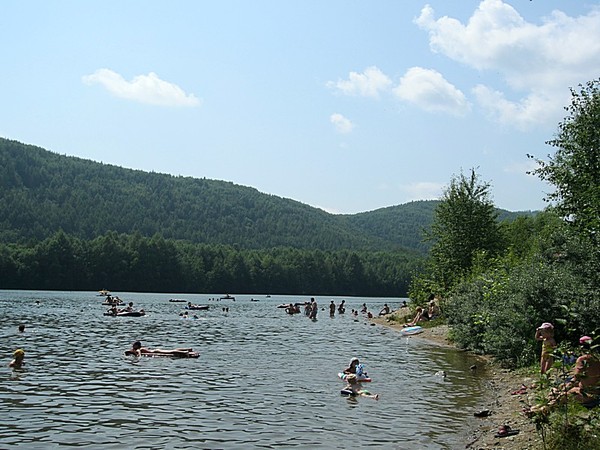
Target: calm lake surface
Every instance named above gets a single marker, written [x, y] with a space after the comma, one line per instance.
[264, 379]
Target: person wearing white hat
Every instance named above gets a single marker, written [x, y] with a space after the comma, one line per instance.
[545, 333]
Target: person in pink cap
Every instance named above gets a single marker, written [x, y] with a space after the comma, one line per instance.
[545, 333]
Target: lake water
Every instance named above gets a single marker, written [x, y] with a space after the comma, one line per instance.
[264, 379]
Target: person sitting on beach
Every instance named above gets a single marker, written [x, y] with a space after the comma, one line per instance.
[586, 375]
[433, 311]
[418, 318]
[584, 386]
[354, 388]
[137, 350]
[17, 362]
[385, 310]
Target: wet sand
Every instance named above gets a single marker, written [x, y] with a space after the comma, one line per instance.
[504, 406]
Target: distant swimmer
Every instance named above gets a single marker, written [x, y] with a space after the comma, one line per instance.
[137, 350]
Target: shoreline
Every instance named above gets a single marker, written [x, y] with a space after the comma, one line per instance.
[505, 400]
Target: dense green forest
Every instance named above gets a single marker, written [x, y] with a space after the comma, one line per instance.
[69, 223]
[136, 263]
[43, 192]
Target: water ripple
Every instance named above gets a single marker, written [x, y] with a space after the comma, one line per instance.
[264, 379]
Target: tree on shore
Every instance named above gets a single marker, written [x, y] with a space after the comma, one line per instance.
[464, 229]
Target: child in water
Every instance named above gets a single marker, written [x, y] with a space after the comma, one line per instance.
[18, 356]
[545, 333]
[354, 388]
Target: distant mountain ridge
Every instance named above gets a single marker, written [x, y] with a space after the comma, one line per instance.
[43, 192]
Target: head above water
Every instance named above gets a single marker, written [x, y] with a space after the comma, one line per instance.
[19, 353]
[137, 344]
[351, 378]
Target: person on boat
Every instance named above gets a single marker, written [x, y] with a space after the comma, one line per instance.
[128, 308]
[341, 307]
[355, 388]
[19, 356]
[332, 309]
[137, 350]
[385, 310]
[113, 310]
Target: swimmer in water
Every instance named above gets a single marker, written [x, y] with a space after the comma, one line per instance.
[137, 350]
[355, 387]
[17, 362]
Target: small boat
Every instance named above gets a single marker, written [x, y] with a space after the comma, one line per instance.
[139, 313]
[177, 300]
[228, 297]
[103, 293]
[197, 307]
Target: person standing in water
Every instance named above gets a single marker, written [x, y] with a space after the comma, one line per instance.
[332, 309]
[314, 308]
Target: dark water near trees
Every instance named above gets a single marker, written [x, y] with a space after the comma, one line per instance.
[264, 379]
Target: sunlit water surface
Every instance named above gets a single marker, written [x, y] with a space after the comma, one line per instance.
[264, 379]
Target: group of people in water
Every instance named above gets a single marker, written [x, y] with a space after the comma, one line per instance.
[311, 309]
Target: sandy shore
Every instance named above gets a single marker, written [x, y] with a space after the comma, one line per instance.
[505, 401]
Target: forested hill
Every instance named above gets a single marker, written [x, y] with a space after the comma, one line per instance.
[43, 192]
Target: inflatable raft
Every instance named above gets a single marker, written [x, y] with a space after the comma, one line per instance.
[360, 378]
[409, 331]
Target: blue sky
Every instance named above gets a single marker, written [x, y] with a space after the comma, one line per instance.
[348, 106]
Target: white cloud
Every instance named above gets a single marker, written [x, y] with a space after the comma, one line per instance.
[367, 84]
[521, 168]
[534, 108]
[538, 60]
[341, 123]
[149, 89]
[429, 90]
[423, 190]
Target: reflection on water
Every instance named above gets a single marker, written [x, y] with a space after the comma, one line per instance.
[263, 379]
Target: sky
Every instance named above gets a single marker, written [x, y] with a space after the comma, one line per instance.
[348, 106]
